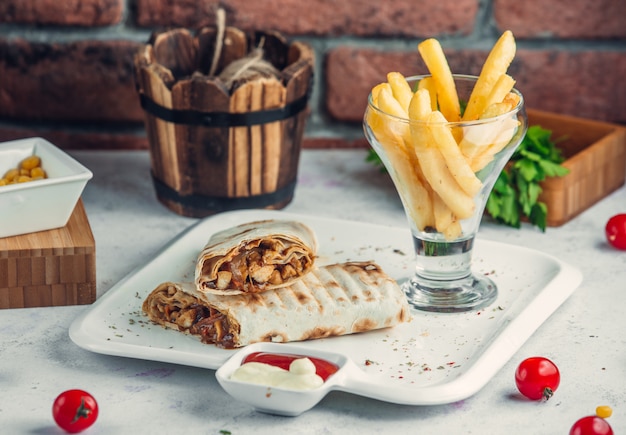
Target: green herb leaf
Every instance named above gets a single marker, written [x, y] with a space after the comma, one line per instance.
[527, 169]
[374, 158]
[539, 215]
[552, 169]
[536, 158]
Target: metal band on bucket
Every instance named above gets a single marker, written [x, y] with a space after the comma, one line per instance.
[224, 119]
[217, 204]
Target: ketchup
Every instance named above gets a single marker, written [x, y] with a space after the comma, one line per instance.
[324, 369]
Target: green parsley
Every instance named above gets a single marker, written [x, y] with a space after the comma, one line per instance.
[515, 194]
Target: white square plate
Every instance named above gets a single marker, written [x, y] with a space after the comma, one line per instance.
[436, 358]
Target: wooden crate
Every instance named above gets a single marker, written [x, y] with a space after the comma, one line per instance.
[49, 268]
[596, 157]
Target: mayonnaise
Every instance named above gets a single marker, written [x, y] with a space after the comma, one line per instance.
[300, 376]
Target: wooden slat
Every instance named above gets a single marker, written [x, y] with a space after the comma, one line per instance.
[157, 80]
[239, 142]
[202, 151]
[274, 95]
[235, 46]
[297, 77]
[176, 50]
[256, 139]
[85, 293]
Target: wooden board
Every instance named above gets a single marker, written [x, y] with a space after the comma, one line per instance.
[596, 157]
[49, 268]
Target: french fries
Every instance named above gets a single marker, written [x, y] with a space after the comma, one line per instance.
[455, 160]
[428, 83]
[434, 165]
[406, 173]
[400, 89]
[435, 60]
[497, 63]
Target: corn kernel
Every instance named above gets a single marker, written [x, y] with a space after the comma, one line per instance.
[604, 411]
[28, 169]
[11, 174]
[38, 173]
[30, 162]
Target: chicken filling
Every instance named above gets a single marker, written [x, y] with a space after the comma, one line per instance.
[257, 267]
[211, 325]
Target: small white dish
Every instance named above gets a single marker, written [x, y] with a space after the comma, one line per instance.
[42, 204]
[274, 400]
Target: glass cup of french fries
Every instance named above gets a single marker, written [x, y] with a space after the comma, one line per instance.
[444, 171]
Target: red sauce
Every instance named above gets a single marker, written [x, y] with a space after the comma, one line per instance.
[324, 369]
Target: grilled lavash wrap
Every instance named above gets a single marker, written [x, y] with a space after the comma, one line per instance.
[255, 257]
[329, 301]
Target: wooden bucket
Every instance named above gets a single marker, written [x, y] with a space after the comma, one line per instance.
[220, 144]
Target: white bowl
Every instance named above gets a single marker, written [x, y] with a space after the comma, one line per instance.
[41, 204]
[274, 400]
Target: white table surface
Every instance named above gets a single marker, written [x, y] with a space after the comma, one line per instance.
[586, 336]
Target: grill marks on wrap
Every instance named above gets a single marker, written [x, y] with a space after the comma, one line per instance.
[328, 301]
[333, 288]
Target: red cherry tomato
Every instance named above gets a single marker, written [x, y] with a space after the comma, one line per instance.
[75, 410]
[537, 378]
[616, 231]
[324, 369]
[591, 425]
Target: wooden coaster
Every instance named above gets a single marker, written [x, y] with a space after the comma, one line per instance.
[49, 268]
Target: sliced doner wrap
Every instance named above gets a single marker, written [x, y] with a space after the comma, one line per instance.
[333, 300]
[255, 257]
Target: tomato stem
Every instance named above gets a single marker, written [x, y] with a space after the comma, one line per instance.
[82, 411]
[547, 393]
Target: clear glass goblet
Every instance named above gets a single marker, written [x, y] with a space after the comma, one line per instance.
[444, 239]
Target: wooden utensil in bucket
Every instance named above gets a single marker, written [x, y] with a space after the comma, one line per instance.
[225, 115]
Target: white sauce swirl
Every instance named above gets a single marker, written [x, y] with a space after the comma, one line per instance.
[300, 376]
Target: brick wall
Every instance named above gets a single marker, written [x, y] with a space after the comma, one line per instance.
[66, 66]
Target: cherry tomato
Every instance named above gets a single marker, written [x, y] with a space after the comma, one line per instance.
[324, 369]
[537, 378]
[591, 425]
[75, 410]
[616, 231]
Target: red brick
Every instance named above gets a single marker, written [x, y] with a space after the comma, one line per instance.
[351, 73]
[581, 83]
[573, 19]
[81, 81]
[183, 13]
[62, 12]
[333, 143]
[319, 17]
[72, 140]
